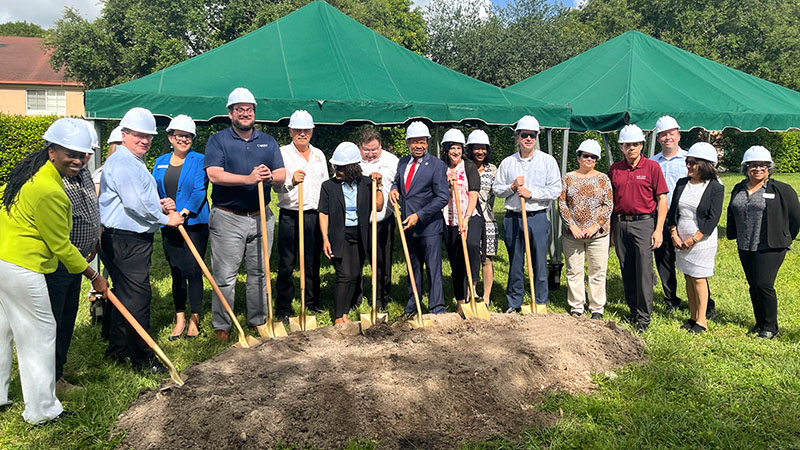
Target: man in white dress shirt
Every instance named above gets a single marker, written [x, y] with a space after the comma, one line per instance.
[305, 164]
[534, 175]
[375, 159]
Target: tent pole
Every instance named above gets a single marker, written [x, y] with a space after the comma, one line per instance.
[549, 141]
[652, 144]
[608, 150]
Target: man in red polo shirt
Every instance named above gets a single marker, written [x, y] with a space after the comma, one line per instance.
[640, 207]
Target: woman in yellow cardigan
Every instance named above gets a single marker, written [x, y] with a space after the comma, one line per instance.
[35, 223]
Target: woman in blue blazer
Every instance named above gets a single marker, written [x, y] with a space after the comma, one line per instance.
[180, 178]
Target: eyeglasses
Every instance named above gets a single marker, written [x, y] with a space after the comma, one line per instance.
[758, 165]
[691, 162]
[185, 137]
[588, 156]
[525, 135]
[140, 136]
[244, 111]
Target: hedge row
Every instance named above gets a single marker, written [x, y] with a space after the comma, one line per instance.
[22, 135]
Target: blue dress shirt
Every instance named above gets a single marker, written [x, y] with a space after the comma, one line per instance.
[673, 168]
[350, 204]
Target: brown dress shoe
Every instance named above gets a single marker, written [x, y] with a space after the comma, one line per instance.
[222, 335]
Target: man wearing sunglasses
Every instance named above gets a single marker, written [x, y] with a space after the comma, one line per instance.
[237, 159]
[534, 175]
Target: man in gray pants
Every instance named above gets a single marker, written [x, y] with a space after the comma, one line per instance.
[236, 160]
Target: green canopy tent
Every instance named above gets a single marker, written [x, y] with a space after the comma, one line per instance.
[319, 59]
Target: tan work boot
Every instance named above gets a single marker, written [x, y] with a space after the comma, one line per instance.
[64, 387]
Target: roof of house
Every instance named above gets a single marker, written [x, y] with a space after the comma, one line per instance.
[25, 61]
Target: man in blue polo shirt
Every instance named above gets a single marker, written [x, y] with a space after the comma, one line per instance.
[236, 160]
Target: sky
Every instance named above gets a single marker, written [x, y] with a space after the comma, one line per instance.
[46, 12]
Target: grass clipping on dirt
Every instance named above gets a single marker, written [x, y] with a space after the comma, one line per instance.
[455, 382]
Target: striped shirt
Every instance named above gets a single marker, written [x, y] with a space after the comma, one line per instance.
[85, 212]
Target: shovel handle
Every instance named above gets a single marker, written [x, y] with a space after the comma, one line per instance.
[145, 336]
[528, 251]
[454, 187]
[374, 242]
[265, 247]
[302, 250]
[408, 260]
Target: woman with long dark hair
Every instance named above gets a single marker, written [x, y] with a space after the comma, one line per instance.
[345, 206]
[36, 219]
[479, 152]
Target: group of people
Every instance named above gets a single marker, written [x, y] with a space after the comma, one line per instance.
[54, 222]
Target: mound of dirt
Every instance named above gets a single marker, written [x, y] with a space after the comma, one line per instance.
[455, 382]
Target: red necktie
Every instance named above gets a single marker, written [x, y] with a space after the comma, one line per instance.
[411, 173]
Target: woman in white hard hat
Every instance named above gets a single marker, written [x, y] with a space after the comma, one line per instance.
[180, 177]
[36, 219]
[764, 218]
[692, 222]
[479, 152]
[464, 174]
[585, 205]
[345, 206]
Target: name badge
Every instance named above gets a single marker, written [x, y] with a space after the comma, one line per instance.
[769, 196]
[163, 166]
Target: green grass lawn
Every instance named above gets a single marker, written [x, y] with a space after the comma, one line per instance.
[722, 389]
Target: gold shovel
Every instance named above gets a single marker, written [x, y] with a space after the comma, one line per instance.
[533, 308]
[302, 322]
[473, 309]
[244, 341]
[418, 321]
[374, 318]
[268, 329]
[173, 373]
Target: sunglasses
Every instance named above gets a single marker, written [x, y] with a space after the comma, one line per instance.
[588, 156]
[758, 165]
[691, 162]
[525, 135]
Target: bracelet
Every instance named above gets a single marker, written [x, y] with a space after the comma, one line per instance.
[94, 277]
[694, 239]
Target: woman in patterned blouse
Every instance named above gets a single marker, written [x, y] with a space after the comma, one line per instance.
[478, 152]
[585, 206]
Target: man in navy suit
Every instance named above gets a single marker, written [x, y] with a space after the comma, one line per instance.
[420, 188]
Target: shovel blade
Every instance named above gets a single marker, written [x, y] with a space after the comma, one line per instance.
[416, 323]
[541, 308]
[483, 310]
[466, 311]
[295, 324]
[176, 377]
[527, 309]
[271, 330]
[366, 321]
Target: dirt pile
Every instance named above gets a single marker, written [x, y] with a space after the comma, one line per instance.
[455, 382]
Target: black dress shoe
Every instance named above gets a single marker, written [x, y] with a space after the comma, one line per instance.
[64, 415]
[711, 309]
[513, 310]
[688, 324]
[629, 319]
[597, 316]
[764, 334]
[642, 327]
[755, 329]
[154, 368]
[697, 329]
[6, 406]
[575, 314]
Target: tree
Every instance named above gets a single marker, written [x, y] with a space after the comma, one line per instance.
[23, 29]
[133, 38]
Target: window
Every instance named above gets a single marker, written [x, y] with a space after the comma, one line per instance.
[47, 101]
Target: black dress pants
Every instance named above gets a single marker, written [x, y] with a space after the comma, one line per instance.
[288, 246]
[348, 264]
[632, 243]
[455, 254]
[385, 246]
[184, 268]
[65, 291]
[665, 264]
[761, 270]
[127, 256]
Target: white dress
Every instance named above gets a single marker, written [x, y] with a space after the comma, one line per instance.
[697, 261]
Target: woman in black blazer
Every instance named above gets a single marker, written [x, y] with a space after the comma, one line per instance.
[764, 218]
[692, 220]
[344, 218]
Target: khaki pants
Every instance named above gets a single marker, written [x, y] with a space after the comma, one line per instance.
[595, 253]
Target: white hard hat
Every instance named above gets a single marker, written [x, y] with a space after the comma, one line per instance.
[301, 120]
[590, 146]
[93, 134]
[346, 153]
[665, 123]
[630, 133]
[115, 136]
[71, 134]
[757, 153]
[139, 119]
[527, 123]
[454, 135]
[417, 129]
[478, 137]
[240, 95]
[182, 122]
[703, 150]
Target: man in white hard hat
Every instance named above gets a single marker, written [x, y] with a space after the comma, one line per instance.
[237, 159]
[534, 176]
[305, 164]
[672, 159]
[420, 188]
[375, 159]
[131, 212]
[637, 224]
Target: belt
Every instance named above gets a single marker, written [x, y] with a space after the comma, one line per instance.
[528, 213]
[293, 212]
[633, 217]
[238, 213]
[118, 232]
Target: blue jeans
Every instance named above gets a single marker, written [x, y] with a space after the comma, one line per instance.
[539, 232]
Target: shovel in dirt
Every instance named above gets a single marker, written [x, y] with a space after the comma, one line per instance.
[418, 321]
[302, 322]
[374, 318]
[473, 308]
[173, 373]
[244, 341]
[268, 329]
[533, 308]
